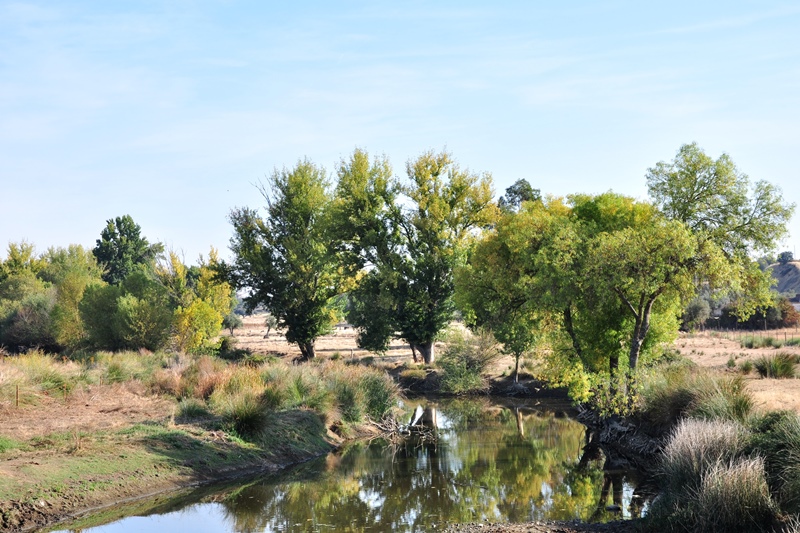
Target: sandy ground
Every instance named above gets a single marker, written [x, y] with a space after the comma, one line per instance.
[714, 350]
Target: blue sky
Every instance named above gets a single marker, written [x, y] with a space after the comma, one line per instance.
[170, 111]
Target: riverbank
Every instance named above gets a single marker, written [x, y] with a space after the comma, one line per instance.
[60, 477]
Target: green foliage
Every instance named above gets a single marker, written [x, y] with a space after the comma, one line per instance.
[776, 437]
[785, 257]
[134, 314]
[192, 408]
[520, 191]
[491, 291]
[746, 366]
[717, 201]
[121, 249]
[232, 321]
[696, 314]
[465, 361]
[413, 235]
[284, 260]
[778, 366]
[669, 393]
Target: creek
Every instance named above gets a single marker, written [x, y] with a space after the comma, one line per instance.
[492, 460]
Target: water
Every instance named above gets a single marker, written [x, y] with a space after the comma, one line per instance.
[499, 462]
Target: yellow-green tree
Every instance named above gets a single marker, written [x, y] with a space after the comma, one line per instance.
[410, 235]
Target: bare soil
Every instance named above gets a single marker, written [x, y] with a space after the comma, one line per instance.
[714, 350]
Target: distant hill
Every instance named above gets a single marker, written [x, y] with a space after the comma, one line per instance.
[788, 278]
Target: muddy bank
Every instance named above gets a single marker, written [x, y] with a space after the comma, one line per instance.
[42, 488]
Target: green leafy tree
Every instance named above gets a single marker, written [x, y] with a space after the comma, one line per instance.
[520, 191]
[121, 248]
[283, 261]
[232, 321]
[492, 291]
[136, 313]
[785, 257]
[717, 201]
[408, 237]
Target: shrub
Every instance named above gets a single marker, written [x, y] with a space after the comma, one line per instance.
[465, 360]
[694, 446]
[746, 367]
[677, 391]
[245, 412]
[380, 394]
[780, 365]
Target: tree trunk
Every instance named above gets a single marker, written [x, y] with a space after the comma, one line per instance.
[307, 349]
[516, 367]
[426, 350]
[413, 351]
[571, 331]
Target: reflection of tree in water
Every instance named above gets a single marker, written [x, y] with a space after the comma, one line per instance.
[488, 462]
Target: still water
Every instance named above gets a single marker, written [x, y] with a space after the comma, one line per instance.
[491, 461]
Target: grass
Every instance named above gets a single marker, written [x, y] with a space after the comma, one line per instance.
[760, 342]
[680, 390]
[734, 496]
[780, 365]
[746, 367]
[710, 483]
[7, 444]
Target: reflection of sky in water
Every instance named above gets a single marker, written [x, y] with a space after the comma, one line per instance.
[490, 463]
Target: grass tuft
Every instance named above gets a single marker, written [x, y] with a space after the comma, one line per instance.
[778, 366]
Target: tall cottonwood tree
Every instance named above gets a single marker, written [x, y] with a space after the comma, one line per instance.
[407, 237]
[719, 203]
[284, 260]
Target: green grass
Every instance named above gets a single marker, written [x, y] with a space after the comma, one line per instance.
[7, 444]
[780, 366]
[760, 342]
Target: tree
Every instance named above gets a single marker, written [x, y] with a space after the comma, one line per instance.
[136, 313]
[492, 292]
[121, 247]
[719, 204]
[408, 238]
[785, 257]
[283, 261]
[520, 192]
[232, 321]
[717, 201]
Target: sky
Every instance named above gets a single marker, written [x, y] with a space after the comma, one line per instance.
[173, 111]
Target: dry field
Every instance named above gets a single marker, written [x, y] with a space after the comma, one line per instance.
[707, 349]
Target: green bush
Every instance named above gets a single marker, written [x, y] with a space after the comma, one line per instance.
[465, 360]
[191, 408]
[780, 365]
[676, 391]
[746, 367]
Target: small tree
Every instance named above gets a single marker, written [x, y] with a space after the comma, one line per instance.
[785, 257]
[231, 322]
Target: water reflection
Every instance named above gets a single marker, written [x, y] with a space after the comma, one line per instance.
[489, 462]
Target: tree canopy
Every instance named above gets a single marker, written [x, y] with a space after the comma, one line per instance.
[410, 236]
[121, 248]
[284, 261]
